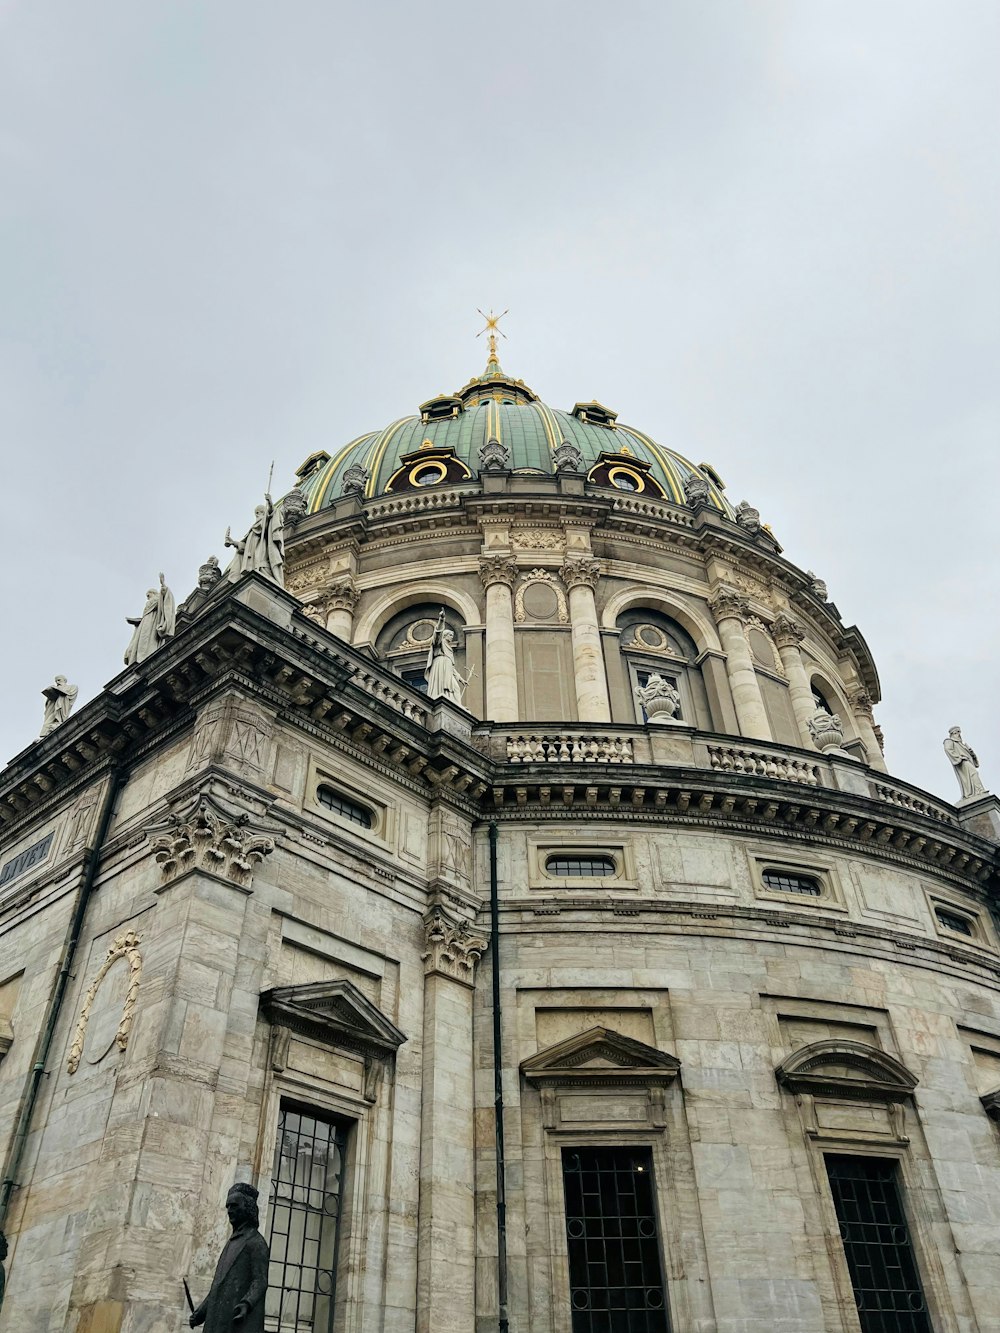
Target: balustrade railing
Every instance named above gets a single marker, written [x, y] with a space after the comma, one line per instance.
[569, 748]
[763, 763]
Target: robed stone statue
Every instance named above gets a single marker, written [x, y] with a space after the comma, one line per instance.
[443, 678]
[965, 763]
[60, 697]
[236, 1302]
[156, 624]
[262, 550]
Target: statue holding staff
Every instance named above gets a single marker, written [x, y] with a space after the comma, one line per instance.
[443, 678]
[262, 550]
[154, 626]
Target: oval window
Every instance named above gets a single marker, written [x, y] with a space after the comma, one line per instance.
[624, 481]
[784, 881]
[427, 476]
[344, 806]
[580, 867]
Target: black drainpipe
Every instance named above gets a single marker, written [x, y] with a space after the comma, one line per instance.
[30, 1095]
[504, 1322]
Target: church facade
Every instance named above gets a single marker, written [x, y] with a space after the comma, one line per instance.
[511, 887]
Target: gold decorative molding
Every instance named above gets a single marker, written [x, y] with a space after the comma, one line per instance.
[123, 946]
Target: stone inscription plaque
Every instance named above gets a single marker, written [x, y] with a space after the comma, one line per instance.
[23, 862]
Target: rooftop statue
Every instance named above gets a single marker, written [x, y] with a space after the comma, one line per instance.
[443, 678]
[209, 573]
[965, 763]
[235, 1303]
[154, 626]
[60, 697]
[262, 550]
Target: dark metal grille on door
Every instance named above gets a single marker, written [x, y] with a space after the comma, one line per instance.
[615, 1278]
[877, 1245]
[304, 1234]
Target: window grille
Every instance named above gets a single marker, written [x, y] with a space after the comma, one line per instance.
[954, 921]
[344, 806]
[306, 1197]
[784, 881]
[581, 867]
[877, 1245]
[615, 1277]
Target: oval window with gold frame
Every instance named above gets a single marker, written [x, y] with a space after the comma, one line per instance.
[625, 479]
[428, 474]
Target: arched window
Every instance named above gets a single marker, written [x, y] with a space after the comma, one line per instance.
[404, 640]
[653, 644]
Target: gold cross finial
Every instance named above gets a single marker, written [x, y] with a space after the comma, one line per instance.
[492, 327]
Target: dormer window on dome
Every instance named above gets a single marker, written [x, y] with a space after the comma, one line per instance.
[430, 465]
[625, 472]
[595, 414]
[441, 408]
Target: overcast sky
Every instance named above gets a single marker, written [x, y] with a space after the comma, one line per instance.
[765, 233]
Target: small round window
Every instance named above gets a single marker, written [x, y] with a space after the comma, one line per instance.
[580, 867]
[624, 482]
[784, 881]
[427, 476]
[343, 805]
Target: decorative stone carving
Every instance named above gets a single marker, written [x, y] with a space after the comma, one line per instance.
[493, 456]
[81, 820]
[965, 763]
[341, 596]
[581, 573]
[60, 697]
[354, 480]
[786, 632]
[537, 539]
[234, 733]
[123, 946]
[762, 645]
[309, 576]
[818, 586]
[533, 578]
[748, 518]
[293, 507]
[727, 602]
[659, 698]
[262, 550]
[497, 569]
[861, 702]
[208, 839]
[209, 574]
[827, 732]
[452, 946]
[567, 457]
[696, 491]
[154, 626]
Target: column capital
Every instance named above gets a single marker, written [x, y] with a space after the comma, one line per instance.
[728, 603]
[497, 569]
[577, 573]
[340, 596]
[861, 701]
[452, 947]
[786, 632]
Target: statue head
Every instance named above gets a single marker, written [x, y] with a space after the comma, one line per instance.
[60, 680]
[955, 731]
[241, 1206]
[260, 511]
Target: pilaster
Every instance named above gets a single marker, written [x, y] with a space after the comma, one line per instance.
[498, 573]
[730, 609]
[580, 577]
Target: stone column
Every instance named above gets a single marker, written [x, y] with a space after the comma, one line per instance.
[729, 608]
[580, 577]
[340, 601]
[446, 1222]
[498, 573]
[788, 634]
[864, 719]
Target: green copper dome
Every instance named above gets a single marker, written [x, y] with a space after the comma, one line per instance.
[493, 406]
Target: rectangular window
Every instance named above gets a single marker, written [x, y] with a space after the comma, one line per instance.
[306, 1202]
[877, 1245]
[615, 1277]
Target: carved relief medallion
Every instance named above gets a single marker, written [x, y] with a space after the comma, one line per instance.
[123, 947]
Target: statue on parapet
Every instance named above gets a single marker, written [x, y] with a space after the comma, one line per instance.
[965, 763]
[444, 680]
[209, 573]
[60, 697]
[235, 1303]
[156, 624]
[262, 550]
